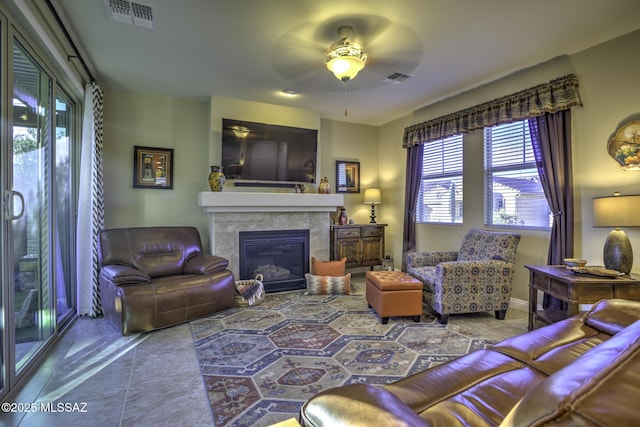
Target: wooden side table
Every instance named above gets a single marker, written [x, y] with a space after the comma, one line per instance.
[362, 244]
[575, 289]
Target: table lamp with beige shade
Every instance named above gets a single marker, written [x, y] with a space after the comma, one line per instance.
[617, 211]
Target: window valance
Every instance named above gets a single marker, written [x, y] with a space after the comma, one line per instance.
[551, 97]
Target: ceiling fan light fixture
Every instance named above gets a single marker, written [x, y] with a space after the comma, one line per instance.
[344, 59]
[345, 68]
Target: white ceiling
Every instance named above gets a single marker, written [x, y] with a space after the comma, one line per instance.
[253, 49]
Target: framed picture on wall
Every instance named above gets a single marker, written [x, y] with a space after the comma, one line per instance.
[347, 177]
[153, 168]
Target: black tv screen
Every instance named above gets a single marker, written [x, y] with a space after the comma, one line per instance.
[264, 152]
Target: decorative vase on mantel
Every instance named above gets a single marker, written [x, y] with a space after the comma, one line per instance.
[216, 178]
[324, 187]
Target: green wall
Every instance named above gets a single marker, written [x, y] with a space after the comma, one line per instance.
[132, 119]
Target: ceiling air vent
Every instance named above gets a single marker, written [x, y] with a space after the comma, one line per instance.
[130, 12]
[396, 78]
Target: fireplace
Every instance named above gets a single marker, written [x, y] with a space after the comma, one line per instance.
[281, 256]
[232, 212]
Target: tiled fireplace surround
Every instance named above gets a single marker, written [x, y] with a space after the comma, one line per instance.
[232, 212]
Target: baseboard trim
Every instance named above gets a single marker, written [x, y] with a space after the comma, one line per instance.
[519, 304]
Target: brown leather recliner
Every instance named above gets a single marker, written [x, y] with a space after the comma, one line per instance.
[154, 277]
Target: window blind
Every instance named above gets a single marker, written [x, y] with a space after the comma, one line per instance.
[513, 195]
[440, 197]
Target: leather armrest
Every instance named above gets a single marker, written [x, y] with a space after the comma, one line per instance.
[123, 274]
[205, 264]
[358, 405]
[612, 315]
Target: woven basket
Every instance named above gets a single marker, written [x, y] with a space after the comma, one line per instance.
[250, 292]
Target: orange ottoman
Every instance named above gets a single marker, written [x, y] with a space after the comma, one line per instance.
[394, 293]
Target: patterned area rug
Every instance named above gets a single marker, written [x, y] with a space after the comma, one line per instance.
[261, 363]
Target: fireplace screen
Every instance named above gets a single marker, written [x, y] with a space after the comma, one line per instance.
[281, 256]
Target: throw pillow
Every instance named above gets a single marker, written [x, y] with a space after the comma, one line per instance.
[328, 285]
[328, 268]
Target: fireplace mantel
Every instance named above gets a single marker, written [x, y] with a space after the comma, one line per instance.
[222, 201]
[232, 212]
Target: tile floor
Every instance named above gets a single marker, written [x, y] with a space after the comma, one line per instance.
[149, 379]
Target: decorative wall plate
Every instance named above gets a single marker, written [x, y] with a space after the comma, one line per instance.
[624, 147]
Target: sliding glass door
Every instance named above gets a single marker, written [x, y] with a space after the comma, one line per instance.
[30, 231]
[64, 212]
[39, 213]
[38, 168]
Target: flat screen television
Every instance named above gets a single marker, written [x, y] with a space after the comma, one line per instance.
[265, 153]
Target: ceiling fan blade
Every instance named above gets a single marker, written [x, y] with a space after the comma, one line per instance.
[298, 54]
[398, 49]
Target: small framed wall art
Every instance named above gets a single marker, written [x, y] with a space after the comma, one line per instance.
[347, 177]
[153, 168]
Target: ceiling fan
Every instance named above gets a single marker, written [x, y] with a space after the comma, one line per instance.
[379, 48]
[345, 59]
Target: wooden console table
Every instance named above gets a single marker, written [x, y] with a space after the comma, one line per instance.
[574, 289]
[362, 244]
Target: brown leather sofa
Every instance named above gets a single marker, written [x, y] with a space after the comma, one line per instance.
[154, 277]
[581, 371]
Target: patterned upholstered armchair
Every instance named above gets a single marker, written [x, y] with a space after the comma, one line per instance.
[476, 278]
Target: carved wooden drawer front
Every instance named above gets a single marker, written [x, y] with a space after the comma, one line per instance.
[541, 282]
[372, 232]
[348, 233]
[362, 244]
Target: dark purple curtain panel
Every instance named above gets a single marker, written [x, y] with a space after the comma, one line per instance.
[412, 189]
[551, 139]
